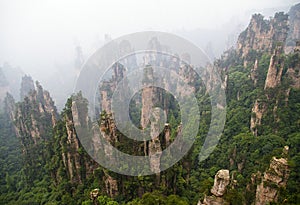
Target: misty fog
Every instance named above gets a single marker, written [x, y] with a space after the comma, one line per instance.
[49, 40]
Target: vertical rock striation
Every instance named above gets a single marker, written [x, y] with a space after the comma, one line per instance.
[262, 35]
[259, 108]
[222, 179]
[273, 179]
[33, 115]
[275, 69]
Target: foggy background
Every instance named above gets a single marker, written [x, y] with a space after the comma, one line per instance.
[48, 39]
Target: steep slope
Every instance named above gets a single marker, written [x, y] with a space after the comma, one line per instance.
[34, 119]
[247, 167]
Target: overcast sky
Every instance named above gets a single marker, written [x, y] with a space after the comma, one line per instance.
[37, 34]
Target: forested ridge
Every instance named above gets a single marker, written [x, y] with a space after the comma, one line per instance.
[43, 162]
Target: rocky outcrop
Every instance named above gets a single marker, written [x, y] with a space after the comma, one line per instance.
[108, 127]
[151, 96]
[10, 106]
[151, 115]
[273, 80]
[77, 164]
[262, 35]
[254, 73]
[71, 158]
[189, 77]
[107, 87]
[259, 108]
[293, 72]
[34, 119]
[222, 180]
[273, 179]
[155, 147]
[108, 132]
[33, 115]
[275, 69]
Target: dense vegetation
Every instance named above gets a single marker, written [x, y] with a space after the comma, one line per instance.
[55, 169]
[187, 181]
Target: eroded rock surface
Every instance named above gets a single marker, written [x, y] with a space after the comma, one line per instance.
[273, 179]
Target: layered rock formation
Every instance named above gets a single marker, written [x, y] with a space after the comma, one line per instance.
[275, 68]
[273, 179]
[10, 107]
[262, 35]
[107, 87]
[269, 37]
[31, 115]
[222, 180]
[38, 127]
[34, 119]
[151, 116]
[259, 108]
[155, 147]
[77, 164]
[293, 72]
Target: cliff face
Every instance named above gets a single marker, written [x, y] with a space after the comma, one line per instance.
[260, 55]
[267, 190]
[32, 114]
[34, 119]
[151, 109]
[293, 72]
[273, 179]
[258, 110]
[10, 107]
[222, 180]
[107, 87]
[151, 97]
[76, 163]
[52, 145]
[270, 37]
[276, 77]
[275, 69]
[262, 35]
